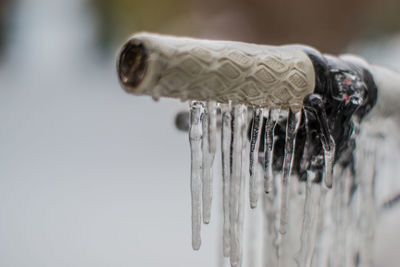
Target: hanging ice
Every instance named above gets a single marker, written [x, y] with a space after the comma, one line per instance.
[270, 122]
[292, 125]
[209, 125]
[226, 174]
[270, 208]
[310, 223]
[329, 158]
[238, 152]
[236, 185]
[335, 93]
[195, 136]
[254, 141]
[206, 169]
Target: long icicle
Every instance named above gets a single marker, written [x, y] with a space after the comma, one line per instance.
[268, 148]
[270, 208]
[306, 226]
[310, 223]
[323, 211]
[206, 169]
[195, 136]
[235, 186]
[254, 141]
[292, 125]
[226, 136]
[243, 176]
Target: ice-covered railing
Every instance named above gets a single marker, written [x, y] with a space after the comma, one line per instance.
[288, 111]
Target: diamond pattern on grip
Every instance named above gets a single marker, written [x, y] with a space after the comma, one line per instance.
[255, 75]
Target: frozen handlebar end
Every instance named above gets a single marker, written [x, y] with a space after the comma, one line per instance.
[223, 71]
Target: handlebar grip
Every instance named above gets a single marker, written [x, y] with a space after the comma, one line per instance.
[222, 71]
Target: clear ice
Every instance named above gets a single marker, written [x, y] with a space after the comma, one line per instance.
[291, 130]
[226, 136]
[206, 169]
[236, 186]
[329, 158]
[331, 224]
[254, 143]
[270, 121]
[195, 139]
[212, 128]
[309, 231]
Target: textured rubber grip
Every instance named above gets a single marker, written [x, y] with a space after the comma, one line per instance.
[223, 71]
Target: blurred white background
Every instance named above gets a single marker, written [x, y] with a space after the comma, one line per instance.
[90, 176]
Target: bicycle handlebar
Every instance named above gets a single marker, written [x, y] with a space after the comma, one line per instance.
[223, 71]
[275, 77]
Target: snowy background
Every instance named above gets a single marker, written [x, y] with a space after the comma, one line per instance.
[90, 176]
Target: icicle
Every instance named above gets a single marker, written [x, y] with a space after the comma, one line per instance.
[271, 245]
[244, 169]
[195, 135]
[329, 158]
[306, 157]
[339, 205]
[310, 223]
[235, 186]
[212, 128]
[255, 137]
[226, 174]
[292, 125]
[206, 170]
[366, 221]
[209, 123]
[270, 122]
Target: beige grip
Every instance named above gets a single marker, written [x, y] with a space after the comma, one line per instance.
[223, 71]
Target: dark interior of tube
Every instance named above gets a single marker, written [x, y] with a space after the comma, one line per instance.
[132, 65]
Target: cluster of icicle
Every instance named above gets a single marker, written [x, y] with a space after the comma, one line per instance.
[326, 232]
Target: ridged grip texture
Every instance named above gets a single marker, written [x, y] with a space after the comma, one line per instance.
[223, 71]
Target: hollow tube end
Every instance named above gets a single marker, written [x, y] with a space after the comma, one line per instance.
[132, 65]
